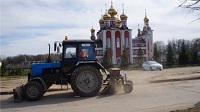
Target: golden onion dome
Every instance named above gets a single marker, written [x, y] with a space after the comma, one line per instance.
[92, 29]
[118, 20]
[146, 19]
[123, 16]
[106, 16]
[112, 11]
[101, 21]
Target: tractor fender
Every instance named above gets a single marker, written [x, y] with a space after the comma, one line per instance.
[41, 81]
[95, 63]
[102, 67]
[84, 62]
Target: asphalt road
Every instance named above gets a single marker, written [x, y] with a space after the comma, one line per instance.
[146, 96]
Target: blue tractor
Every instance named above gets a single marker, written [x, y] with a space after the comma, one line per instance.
[77, 67]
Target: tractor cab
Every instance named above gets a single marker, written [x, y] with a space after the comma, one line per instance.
[76, 52]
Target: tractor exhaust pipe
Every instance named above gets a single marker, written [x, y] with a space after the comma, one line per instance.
[49, 58]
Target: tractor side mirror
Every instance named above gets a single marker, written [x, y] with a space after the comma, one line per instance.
[55, 45]
[58, 49]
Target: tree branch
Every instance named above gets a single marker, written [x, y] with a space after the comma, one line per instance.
[191, 6]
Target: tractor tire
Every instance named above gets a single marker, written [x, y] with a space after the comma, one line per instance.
[128, 88]
[86, 81]
[33, 91]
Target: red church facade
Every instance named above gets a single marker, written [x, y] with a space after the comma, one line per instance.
[116, 36]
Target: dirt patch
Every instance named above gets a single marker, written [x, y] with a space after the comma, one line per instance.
[176, 74]
[10, 82]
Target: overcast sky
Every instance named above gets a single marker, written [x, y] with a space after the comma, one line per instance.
[27, 26]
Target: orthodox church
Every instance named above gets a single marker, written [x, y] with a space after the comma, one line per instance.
[115, 34]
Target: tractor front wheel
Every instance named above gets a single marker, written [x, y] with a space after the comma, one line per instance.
[33, 90]
[86, 81]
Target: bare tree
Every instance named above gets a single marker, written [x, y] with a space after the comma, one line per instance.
[192, 6]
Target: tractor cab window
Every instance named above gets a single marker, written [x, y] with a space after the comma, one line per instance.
[86, 51]
[70, 51]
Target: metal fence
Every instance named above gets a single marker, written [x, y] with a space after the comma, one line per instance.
[16, 71]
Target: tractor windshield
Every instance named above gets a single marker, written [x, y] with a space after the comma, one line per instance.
[70, 51]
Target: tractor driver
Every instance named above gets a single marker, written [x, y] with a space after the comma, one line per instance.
[82, 54]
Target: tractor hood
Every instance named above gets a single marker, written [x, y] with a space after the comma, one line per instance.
[37, 67]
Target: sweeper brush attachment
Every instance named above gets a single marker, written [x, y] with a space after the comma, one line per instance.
[115, 80]
[18, 94]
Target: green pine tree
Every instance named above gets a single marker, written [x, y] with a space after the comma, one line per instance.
[140, 57]
[124, 59]
[183, 56]
[106, 62]
[195, 58]
[156, 54]
[170, 55]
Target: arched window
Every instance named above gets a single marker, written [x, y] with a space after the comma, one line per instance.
[108, 40]
[118, 61]
[126, 42]
[118, 43]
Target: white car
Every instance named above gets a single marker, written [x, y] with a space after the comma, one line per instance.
[151, 65]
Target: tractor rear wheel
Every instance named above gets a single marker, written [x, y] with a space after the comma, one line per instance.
[86, 81]
[33, 90]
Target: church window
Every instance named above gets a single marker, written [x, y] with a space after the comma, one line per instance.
[108, 42]
[126, 42]
[118, 43]
[118, 61]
